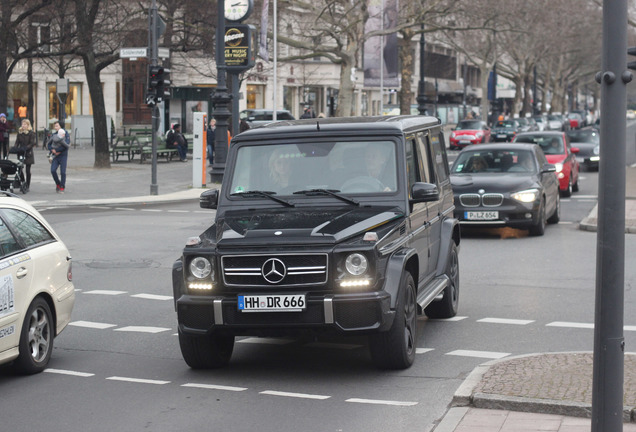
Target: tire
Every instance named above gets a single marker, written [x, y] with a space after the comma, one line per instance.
[556, 216]
[539, 228]
[447, 307]
[575, 186]
[36, 339]
[395, 348]
[206, 351]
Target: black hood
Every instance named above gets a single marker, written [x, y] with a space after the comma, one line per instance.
[493, 183]
[301, 225]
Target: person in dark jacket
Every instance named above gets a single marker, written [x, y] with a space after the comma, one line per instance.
[211, 136]
[26, 141]
[59, 151]
[4, 135]
[175, 139]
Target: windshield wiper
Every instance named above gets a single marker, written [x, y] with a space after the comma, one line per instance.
[332, 192]
[267, 194]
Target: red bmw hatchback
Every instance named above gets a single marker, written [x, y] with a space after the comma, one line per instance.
[557, 149]
[469, 132]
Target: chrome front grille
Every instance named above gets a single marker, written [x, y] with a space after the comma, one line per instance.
[274, 270]
[486, 200]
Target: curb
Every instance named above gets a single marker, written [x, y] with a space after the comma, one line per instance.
[465, 397]
[590, 222]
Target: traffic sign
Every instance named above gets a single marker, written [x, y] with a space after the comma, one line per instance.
[142, 52]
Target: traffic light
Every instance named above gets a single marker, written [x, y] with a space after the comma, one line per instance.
[158, 85]
[631, 51]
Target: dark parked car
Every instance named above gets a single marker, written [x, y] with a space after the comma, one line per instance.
[505, 185]
[469, 132]
[505, 130]
[259, 117]
[558, 151]
[587, 140]
[341, 225]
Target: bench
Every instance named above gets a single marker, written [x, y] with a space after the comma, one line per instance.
[140, 131]
[125, 146]
[162, 150]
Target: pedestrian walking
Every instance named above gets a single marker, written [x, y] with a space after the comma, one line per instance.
[175, 139]
[25, 141]
[59, 154]
[211, 136]
[4, 135]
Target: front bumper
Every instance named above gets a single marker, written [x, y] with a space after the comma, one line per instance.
[341, 313]
[519, 215]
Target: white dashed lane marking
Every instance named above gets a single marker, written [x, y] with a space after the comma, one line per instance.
[294, 395]
[478, 354]
[505, 321]
[380, 402]
[94, 325]
[105, 292]
[566, 324]
[138, 380]
[214, 387]
[68, 372]
[152, 296]
[143, 329]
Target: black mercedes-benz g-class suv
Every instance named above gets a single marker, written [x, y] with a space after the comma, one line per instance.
[342, 225]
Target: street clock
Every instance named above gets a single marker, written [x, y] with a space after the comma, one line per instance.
[238, 10]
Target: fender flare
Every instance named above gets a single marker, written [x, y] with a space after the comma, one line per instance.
[395, 268]
[450, 233]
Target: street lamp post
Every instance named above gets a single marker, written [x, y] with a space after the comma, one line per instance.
[221, 99]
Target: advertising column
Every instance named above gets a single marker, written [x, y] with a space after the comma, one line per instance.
[199, 149]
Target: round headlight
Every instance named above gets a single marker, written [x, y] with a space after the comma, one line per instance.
[200, 268]
[356, 264]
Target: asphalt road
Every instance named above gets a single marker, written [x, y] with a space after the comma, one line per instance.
[118, 366]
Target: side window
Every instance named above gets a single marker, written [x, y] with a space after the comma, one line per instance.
[411, 162]
[427, 175]
[29, 229]
[439, 156]
[8, 243]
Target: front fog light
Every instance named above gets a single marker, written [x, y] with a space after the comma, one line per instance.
[200, 268]
[356, 264]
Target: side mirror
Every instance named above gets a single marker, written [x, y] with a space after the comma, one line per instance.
[424, 192]
[574, 149]
[548, 168]
[209, 199]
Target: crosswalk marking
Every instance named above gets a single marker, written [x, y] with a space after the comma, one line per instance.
[423, 350]
[505, 321]
[582, 325]
[453, 319]
[478, 354]
[89, 324]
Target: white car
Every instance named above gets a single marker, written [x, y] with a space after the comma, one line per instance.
[36, 289]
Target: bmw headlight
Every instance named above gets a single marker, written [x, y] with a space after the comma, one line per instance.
[200, 268]
[356, 264]
[526, 196]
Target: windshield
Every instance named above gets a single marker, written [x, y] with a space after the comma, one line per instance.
[495, 161]
[462, 125]
[507, 124]
[345, 166]
[583, 136]
[551, 144]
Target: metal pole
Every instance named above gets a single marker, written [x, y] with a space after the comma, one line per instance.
[221, 99]
[465, 84]
[421, 86]
[609, 343]
[154, 187]
[275, 76]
